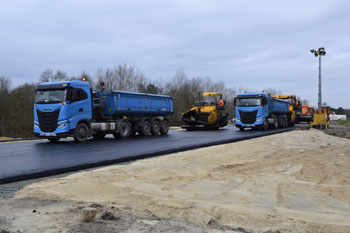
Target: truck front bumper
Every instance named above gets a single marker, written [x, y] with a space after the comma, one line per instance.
[258, 123]
[62, 131]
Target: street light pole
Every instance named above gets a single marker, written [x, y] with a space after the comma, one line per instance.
[319, 86]
[320, 52]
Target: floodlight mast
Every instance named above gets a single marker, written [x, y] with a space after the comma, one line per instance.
[320, 52]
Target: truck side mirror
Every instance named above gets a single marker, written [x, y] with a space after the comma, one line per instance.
[235, 101]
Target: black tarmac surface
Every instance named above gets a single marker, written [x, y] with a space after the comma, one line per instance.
[34, 159]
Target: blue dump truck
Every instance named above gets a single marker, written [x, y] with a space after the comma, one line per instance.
[261, 111]
[73, 109]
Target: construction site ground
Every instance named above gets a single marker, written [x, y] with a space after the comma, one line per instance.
[297, 181]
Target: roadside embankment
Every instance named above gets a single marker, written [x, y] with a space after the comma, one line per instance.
[297, 181]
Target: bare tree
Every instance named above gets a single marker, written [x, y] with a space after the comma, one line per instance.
[272, 91]
[305, 101]
[123, 77]
[21, 112]
[46, 76]
[59, 76]
[5, 88]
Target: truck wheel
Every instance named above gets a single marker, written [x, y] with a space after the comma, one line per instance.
[165, 128]
[124, 129]
[53, 140]
[81, 133]
[155, 128]
[265, 125]
[145, 129]
[275, 123]
[99, 135]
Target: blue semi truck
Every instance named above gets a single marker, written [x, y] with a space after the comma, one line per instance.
[73, 109]
[261, 111]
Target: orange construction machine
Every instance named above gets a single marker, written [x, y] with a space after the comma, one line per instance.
[306, 114]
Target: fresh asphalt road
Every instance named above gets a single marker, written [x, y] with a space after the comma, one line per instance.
[34, 159]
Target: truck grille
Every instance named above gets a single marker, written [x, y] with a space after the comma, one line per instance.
[248, 117]
[48, 120]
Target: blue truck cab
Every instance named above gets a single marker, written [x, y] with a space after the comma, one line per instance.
[73, 109]
[260, 111]
[59, 107]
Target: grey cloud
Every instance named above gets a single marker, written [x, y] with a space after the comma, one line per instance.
[255, 44]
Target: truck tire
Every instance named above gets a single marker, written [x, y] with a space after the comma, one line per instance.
[282, 122]
[265, 125]
[285, 122]
[99, 135]
[164, 129]
[124, 129]
[275, 122]
[155, 128]
[145, 129]
[81, 132]
[241, 128]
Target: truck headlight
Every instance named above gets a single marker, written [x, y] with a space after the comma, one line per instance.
[36, 125]
[259, 119]
[62, 125]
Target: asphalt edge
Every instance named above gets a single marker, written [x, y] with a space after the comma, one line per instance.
[59, 171]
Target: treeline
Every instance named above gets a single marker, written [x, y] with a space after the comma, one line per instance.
[16, 112]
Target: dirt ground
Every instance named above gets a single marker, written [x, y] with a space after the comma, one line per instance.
[5, 138]
[297, 181]
[339, 130]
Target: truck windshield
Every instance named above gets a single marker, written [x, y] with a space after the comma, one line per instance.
[245, 102]
[50, 96]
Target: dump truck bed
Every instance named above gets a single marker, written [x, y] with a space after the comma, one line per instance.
[121, 102]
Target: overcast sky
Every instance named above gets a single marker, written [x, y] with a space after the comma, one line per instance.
[253, 44]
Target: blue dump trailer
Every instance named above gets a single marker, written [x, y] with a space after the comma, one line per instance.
[261, 111]
[73, 109]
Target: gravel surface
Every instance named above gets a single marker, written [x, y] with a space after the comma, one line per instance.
[8, 190]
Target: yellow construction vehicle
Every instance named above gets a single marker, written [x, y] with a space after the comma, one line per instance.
[321, 119]
[208, 113]
[294, 106]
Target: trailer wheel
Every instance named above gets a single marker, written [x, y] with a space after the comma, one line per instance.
[81, 133]
[155, 128]
[285, 122]
[165, 128]
[145, 129]
[275, 122]
[124, 129]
